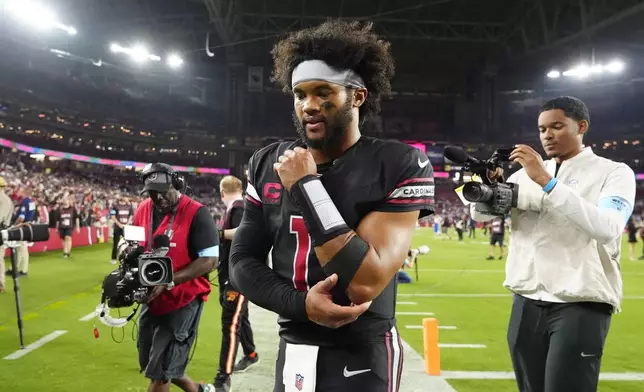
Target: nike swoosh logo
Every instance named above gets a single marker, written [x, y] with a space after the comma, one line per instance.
[422, 164]
[587, 355]
[352, 373]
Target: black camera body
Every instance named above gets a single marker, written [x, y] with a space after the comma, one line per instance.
[497, 198]
[491, 197]
[138, 271]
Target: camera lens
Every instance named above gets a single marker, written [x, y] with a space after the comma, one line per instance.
[153, 273]
[475, 192]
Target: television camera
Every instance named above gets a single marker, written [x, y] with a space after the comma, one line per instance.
[492, 197]
[139, 270]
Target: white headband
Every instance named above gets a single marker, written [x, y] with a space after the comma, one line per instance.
[319, 70]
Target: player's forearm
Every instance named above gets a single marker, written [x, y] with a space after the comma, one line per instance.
[197, 268]
[373, 275]
[263, 287]
[229, 233]
[254, 279]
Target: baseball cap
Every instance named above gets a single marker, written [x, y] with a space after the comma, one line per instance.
[157, 181]
[3, 183]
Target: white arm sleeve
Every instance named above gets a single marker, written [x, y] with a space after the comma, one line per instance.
[605, 221]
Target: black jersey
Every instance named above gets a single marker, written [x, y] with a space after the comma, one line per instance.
[67, 217]
[373, 175]
[123, 213]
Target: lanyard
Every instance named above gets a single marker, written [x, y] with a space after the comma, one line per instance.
[168, 230]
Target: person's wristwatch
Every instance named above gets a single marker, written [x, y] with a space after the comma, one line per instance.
[170, 286]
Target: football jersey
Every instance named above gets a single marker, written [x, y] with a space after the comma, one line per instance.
[67, 217]
[373, 175]
[122, 212]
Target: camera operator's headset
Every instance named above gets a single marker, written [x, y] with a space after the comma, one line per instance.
[177, 180]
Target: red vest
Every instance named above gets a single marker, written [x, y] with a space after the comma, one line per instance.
[186, 292]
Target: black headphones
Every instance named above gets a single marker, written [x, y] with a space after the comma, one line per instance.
[178, 182]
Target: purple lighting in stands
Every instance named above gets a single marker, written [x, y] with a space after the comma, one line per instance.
[111, 162]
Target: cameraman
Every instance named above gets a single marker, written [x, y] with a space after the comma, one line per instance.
[168, 323]
[563, 260]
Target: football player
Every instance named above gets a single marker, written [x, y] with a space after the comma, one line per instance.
[339, 210]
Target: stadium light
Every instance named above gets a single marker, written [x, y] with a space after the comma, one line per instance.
[554, 74]
[174, 61]
[138, 53]
[583, 71]
[35, 15]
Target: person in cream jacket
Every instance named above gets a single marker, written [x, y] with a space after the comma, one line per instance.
[565, 245]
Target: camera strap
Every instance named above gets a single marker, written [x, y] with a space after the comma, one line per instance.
[168, 230]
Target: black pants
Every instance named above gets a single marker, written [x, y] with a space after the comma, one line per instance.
[118, 233]
[557, 347]
[235, 327]
[374, 366]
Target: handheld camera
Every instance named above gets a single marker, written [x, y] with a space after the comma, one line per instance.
[491, 197]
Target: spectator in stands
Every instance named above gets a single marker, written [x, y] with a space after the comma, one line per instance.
[6, 213]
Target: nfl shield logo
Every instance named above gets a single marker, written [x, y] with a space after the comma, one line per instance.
[299, 380]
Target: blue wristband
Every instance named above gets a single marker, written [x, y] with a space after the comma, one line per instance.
[551, 184]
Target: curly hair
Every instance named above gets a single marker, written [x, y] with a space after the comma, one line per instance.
[343, 45]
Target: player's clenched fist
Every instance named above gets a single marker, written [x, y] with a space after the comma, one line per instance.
[293, 165]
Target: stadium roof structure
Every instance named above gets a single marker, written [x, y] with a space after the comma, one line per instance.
[432, 38]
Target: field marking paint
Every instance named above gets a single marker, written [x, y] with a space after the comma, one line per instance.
[88, 317]
[414, 314]
[405, 303]
[467, 271]
[465, 375]
[439, 327]
[493, 271]
[35, 345]
[454, 345]
[462, 295]
[446, 295]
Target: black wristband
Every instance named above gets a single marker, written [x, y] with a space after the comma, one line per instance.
[347, 261]
[321, 216]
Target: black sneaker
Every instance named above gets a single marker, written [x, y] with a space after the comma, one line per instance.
[222, 383]
[245, 363]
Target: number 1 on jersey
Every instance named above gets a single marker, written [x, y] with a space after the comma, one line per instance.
[301, 256]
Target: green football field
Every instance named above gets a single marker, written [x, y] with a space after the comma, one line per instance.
[456, 283]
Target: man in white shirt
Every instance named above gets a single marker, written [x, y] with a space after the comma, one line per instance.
[565, 245]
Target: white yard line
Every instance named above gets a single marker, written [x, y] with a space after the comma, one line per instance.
[439, 327]
[35, 345]
[441, 295]
[466, 375]
[414, 314]
[405, 303]
[459, 345]
[87, 317]
[463, 295]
